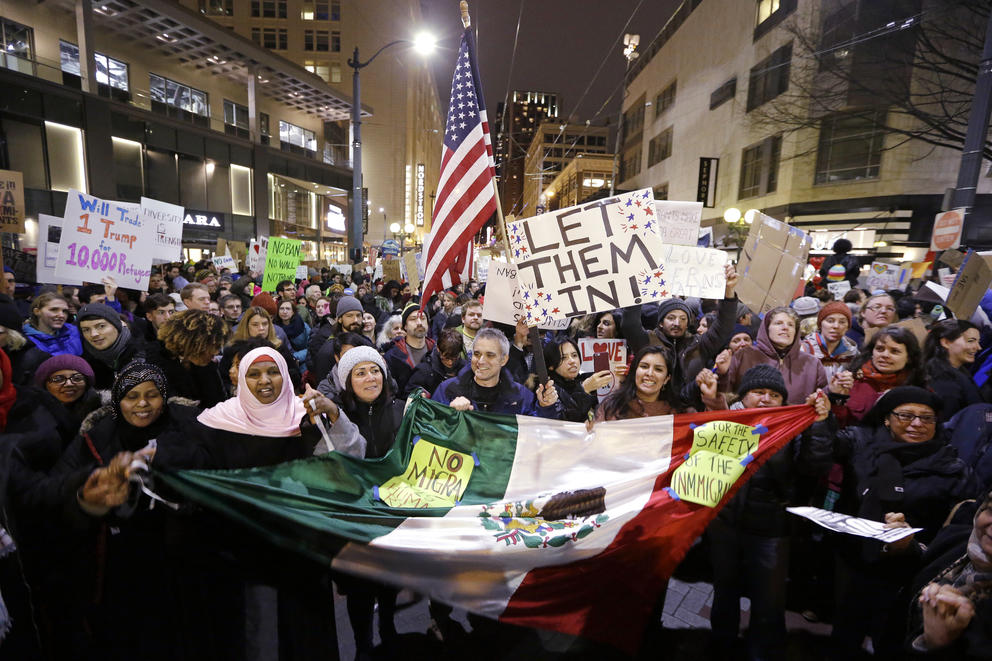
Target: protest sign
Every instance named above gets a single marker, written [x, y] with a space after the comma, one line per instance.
[952, 258]
[343, 269]
[919, 270]
[883, 276]
[947, 227]
[103, 238]
[482, 263]
[973, 280]
[281, 259]
[238, 250]
[224, 262]
[167, 220]
[390, 248]
[720, 452]
[589, 258]
[412, 271]
[852, 525]
[24, 265]
[255, 259]
[503, 302]
[391, 270]
[11, 201]
[838, 289]
[772, 263]
[616, 351]
[693, 271]
[435, 476]
[678, 222]
[302, 273]
[49, 237]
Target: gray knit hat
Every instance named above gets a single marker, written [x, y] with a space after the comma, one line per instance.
[348, 304]
[763, 376]
[357, 355]
[675, 303]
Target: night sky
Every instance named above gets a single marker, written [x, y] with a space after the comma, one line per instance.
[561, 45]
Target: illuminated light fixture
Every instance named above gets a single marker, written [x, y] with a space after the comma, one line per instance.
[750, 215]
[550, 193]
[424, 43]
[732, 215]
[393, 227]
[880, 244]
[594, 182]
[209, 167]
[408, 228]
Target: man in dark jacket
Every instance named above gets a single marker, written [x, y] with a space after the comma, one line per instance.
[444, 362]
[676, 324]
[411, 350]
[348, 315]
[485, 384]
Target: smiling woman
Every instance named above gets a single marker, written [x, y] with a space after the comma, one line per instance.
[949, 350]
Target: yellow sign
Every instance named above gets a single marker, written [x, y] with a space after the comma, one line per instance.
[11, 202]
[435, 477]
[718, 457]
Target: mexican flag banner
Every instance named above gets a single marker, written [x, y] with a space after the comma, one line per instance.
[533, 522]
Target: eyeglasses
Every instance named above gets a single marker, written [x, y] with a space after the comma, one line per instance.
[881, 308]
[907, 418]
[59, 379]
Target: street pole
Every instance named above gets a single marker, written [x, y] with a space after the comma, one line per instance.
[355, 227]
[974, 142]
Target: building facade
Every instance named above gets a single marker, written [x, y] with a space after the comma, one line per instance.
[552, 147]
[403, 128]
[123, 100]
[585, 178]
[794, 139]
[516, 125]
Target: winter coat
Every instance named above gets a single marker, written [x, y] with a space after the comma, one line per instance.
[430, 373]
[24, 362]
[298, 342]
[104, 374]
[319, 335]
[373, 426]
[66, 340]
[836, 362]
[970, 432]
[511, 397]
[955, 387]
[864, 393]
[802, 372]
[205, 385]
[400, 361]
[692, 352]
[575, 401]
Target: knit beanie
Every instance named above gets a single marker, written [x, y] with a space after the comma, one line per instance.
[348, 304]
[100, 311]
[671, 304]
[202, 275]
[740, 328]
[10, 318]
[806, 306]
[763, 376]
[135, 373]
[834, 307]
[265, 301]
[65, 361]
[899, 396]
[407, 311]
[356, 355]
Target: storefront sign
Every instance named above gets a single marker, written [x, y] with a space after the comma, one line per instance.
[214, 220]
[706, 187]
[418, 210]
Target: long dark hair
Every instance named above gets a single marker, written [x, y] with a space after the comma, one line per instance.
[552, 352]
[351, 401]
[950, 330]
[904, 337]
[617, 403]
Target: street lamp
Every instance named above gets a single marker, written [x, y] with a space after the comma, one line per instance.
[407, 231]
[630, 43]
[423, 43]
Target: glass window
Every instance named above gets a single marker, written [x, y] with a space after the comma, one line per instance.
[217, 7]
[263, 123]
[335, 10]
[323, 43]
[178, 95]
[850, 146]
[16, 46]
[660, 147]
[335, 72]
[156, 85]
[759, 167]
[108, 70]
[769, 78]
[235, 114]
[335, 42]
[766, 8]
[297, 135]
[665, 99]
[69, 57]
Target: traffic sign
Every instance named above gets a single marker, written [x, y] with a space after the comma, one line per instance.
[947, 230]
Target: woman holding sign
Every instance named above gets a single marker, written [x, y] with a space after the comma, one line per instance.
[897, 469]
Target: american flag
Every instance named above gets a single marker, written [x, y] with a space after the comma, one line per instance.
[466, 194]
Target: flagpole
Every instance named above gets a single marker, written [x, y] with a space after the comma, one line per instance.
[467, 23]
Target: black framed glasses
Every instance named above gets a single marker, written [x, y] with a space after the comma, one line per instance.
[75, 379]
[907, 418]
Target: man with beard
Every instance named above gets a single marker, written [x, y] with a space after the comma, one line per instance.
[676, 320]
[409, 351]
[471, 323]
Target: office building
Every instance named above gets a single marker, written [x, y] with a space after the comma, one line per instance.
[552, 147]
[516, 127]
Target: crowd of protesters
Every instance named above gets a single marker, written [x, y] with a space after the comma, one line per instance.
[205, 370]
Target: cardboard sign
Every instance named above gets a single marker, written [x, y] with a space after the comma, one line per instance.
[852, 525]
[255, 259]
[238, 250]
[617, 352]
[224, 262]
[947, 228]
[49, 238]
[281, 259]
[678, 222]
[952, 258]
[391, 270]
[343, 269]
[503, 302]
[11, 201]
[693, 271]
[838, 289]
[167, 219]
[435, 477]
[103, 238]
[589, 258]
[720, 452]
[412, 270]
[772, 264]
[973, 280]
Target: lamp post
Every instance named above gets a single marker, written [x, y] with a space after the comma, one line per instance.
[423, 43]
[407, 230]
[630, 43]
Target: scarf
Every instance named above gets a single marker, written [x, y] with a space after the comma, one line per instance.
[111, 354]
[881, 382]
[971, 574]
[293, 327]
[8, 394]
[244, 414]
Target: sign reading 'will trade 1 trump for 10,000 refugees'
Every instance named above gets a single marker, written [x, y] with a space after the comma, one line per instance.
[605, 255]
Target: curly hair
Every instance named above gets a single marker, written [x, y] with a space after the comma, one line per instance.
[242, 330]
[193, 333]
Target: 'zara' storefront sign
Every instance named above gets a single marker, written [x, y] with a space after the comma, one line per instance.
[206, 219]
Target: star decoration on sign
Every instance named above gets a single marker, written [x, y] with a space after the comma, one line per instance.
[652, 284]
[634, 212]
